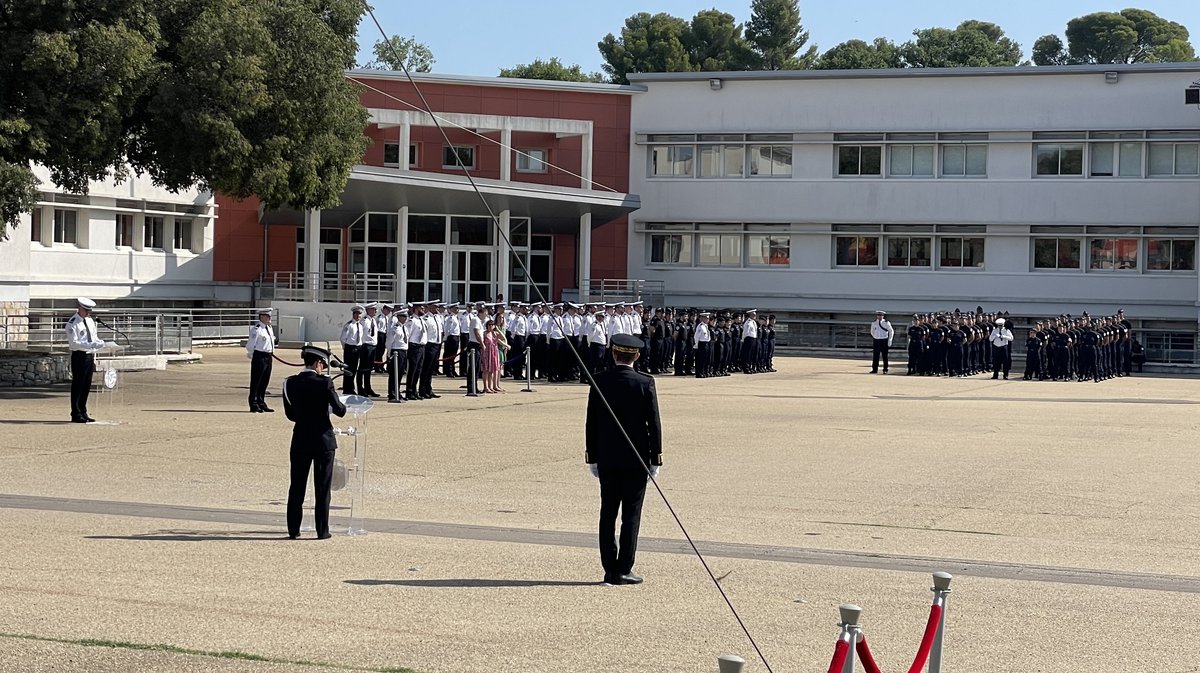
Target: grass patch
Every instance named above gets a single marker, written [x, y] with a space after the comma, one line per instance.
[223, 654]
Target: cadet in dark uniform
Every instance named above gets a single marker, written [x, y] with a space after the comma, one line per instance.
[260, 348]
[621, 472]
[308, 397]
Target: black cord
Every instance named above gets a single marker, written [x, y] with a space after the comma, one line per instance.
[128, 342]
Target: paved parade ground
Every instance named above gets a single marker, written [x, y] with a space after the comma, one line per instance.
[1067, 512]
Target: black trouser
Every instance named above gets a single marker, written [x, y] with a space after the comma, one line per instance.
[350, 358]
[558, 359]
[260, 378]
[395, 369]
[416, 358]
[955, 364]
[596, 357]
[366, 366]
[879, 347]
[680, 357]
[623, 491]
[914, 356]
[322, 466]
[380, 353]
[703, 351]
[771, 353]
[1001, 360]
[450, 353]
[1033, 364]
[517, 368]
[472, 367]
[83, 365]
[428, 366]
[1089, 362]
[1061, 362]
[748, 349]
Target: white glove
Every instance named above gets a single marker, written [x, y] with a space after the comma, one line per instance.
[594, 469]
[111, 345]
[249, 356]
[654, 470]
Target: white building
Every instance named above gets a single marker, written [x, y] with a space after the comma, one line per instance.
[827, 194]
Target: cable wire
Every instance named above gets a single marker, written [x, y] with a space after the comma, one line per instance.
[591, 381]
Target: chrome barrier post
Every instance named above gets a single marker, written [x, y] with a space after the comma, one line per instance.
[528, 373]
[472, 382]
[851, 632]
[941, 591]
[730, 663]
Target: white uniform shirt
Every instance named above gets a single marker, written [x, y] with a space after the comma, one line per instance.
[81, 334]
[882, 329]
[577, 329]
[450, 325]
[597, 334]
[701, 336]
[476, 331]
[556, 326]
[397, 334]
[635, 322]
[262, 339]
[416, 332]
[352, 333]
[464, 322]
[750, 329]
[433, 328]
[520, 324]
[370, 330]
[1000, 337]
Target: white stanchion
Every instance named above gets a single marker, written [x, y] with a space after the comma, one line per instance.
[941, 592]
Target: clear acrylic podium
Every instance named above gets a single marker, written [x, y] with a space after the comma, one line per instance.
[350, 471]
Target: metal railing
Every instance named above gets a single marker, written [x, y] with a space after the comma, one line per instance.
[653, 292]
[142, 331]
[315, 286]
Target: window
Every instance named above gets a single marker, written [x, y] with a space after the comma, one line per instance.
[125, 230]
[427, 229]
[669, 247]
[470, 231]
[719, 249]
[770, 154]
[1171, 254]
[1167, 159]
[531, 161]
[381, 228]
[860, 159]
[152, 235]
[35, 226]
[1059, 159]
[1119, 158]
[768, 245]
[391, 154]
[672, 161]
[66, 227]
[458, 156]
[909, 251]
[183, 235]
[413, 155]
[1114, 254]
[964, 160]
[723, 161]
[910, 160]
[857, 250]
[1056, 253]
[960, 252]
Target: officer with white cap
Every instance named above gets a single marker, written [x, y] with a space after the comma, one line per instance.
[881, 339]
[83, 342]
[366, 354]
[1001, 337]
[259, 349]
[352, 341]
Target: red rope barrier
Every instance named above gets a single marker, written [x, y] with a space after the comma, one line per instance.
[868, 659]
[840, 652]
[935, 617]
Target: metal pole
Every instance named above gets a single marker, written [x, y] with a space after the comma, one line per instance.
[941, 591]
[851, 631]
[528, 373]
[730, 663]
[472, 382]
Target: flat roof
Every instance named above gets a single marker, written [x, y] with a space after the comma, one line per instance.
[505, 82]
[888, 73]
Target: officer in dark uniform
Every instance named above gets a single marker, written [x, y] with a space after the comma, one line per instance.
[1061, 345]
[656, 326]
[957, 339]
[1033, 354]
[916, 345]
[308, 398]
[620, 469]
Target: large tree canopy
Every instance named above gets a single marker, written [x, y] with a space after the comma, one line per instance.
[776, 36]
[553, 70]
[971, 44]
[648, 43]
[398, 53]
[856, 54]
[1128, 36]
[246, 98]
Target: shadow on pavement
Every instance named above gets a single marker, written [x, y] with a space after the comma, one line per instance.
[476, 583]
[196, 536]
[31, 422]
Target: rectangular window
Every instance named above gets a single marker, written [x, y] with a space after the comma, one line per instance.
[183, 235]
[720, 249]
[960, 252]
[672, 161]
[910, 161]
[1118, 254]
[152, 234]
[531, 161]
[35, 226]
[1167, 159]
[722, 161]
[125, 230]
[909, 251]
[1059, 159]
[1171, 254]
[770, 160]
[671, 249]
[427, 229]
[458, 156]
[860, 159]
[1056, 253]
[391, 154]
[764, 248]
[470, 231]
[1116, 158]
[66, 226]
[856, 250]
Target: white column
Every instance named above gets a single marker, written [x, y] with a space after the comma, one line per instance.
[169, 233]
[139, 231]
[585, 162]
[402, 255]
[312, 253]
[504, 254]
[585, 254]
[405, 141]
[506, 155]
[47, 226]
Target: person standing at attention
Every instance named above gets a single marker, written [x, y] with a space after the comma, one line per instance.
[83, 342]
[622, 469]
[308, 399]
[881, 338]
[260, 348]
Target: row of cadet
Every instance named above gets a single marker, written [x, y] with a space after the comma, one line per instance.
[1060, 349]
[414, 343]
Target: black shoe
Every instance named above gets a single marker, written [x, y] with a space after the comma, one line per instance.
[411, 397]
[433, 396]
[629, 578]
[874, 371]
[266, 409]
[88, 419]
[293, 536]
[611, 579]
[79, 420]
[394, 400]
[325, 536]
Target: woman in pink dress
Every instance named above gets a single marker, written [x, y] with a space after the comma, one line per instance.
[491, 358]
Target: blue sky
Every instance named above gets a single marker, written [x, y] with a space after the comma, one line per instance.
[478, 37]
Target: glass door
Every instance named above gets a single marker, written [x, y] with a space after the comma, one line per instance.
[472, 275]
[425, 275]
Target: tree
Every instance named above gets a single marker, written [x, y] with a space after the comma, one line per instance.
[648, 43]
[553, 70]
[1049, 50]
[856, 54]
[1128, 36]
[243, 98]
[715, 42]
[397, 53]
[776, 36]
[971, 44]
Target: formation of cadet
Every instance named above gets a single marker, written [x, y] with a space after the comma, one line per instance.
[409, 343]
[1061, 349]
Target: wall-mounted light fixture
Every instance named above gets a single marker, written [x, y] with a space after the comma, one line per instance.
[1112, 77]
[715, 84]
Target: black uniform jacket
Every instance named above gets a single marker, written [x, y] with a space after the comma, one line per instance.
[635, 402]
[307, 398]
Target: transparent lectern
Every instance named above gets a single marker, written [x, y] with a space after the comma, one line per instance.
[350, 470]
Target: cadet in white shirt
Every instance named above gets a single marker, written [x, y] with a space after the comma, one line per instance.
[597, 342]
[366, 354]
[434, 326]
[83, 342]
[451, 329]
[417, 339]
[259, 348]
[518, 341]
[352, 341]
[881, 341]
[702, 342]
[750, 341]
[397, 344]
[381, 327]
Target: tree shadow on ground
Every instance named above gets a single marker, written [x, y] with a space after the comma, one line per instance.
[197, 536]
[471, 583]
